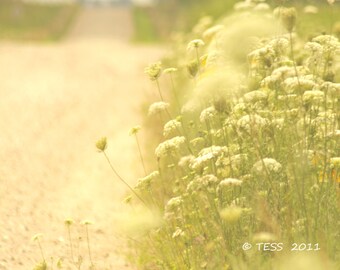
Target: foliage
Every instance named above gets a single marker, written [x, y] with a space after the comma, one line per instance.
[252, 156]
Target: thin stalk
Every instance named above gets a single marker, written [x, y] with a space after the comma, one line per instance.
[41, 250]
[140, 154]
[88, 245]
[121, 179]
[70, 239]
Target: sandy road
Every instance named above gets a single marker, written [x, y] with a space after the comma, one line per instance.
[56, 100]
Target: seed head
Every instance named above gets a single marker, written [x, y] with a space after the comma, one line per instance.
[37, 237]
[101, 144]
[154, 71]
[194, 44]
[134, 130]
[68, 222]
[86, 222]
[288, 18]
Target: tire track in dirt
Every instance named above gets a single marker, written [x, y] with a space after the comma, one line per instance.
[56, 100]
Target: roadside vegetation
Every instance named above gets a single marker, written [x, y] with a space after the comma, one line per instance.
[248, 111]
[35, 22]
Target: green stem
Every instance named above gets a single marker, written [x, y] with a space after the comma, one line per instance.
[121, 179]
[140, 154]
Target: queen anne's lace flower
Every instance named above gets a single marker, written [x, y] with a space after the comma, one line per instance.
[230, 182]
[248, 122]
[255, 96]
[145, 182]
[171, 127]
[208, 154]
[208, 114]
[169, 147]
[154, 71]
[158, 107]
[313, 96]
[269, 163]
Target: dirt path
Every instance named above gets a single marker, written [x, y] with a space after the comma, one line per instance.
[56, 100]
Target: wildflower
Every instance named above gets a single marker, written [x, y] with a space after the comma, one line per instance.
[269, 163]
[231, 214]
[249, 122]
[194, 44]
[170, 146]
[173, 203]
[179, 232]
[134, 130]
[169, 70]
[206, 181]
[295, 84]
[208, 114]
[230, 182]
[288, 18]
[158, 107]
[207, 154]
[145, 182]
[86, 222]
[37, 236]
[255, 96]
[313, 96]
[262, 7]
[68, 222]
[185, 161]
[171, 127]
[154, 71]
[101, 144]
[310, 9]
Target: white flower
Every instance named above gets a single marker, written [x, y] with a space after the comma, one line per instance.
[262, 7]
[199, 183]
[158, 107]
[313, 96]
[185, 161]
[145, 182]
[251, 121]
[269, 163]
[302, 83]
[310, 9]
[230, 182]
[194, 44]
[154, 70]
[255, 96]
[171, 127]
[173, 203]
[207, 154]
[208, 114]
[169, 147]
